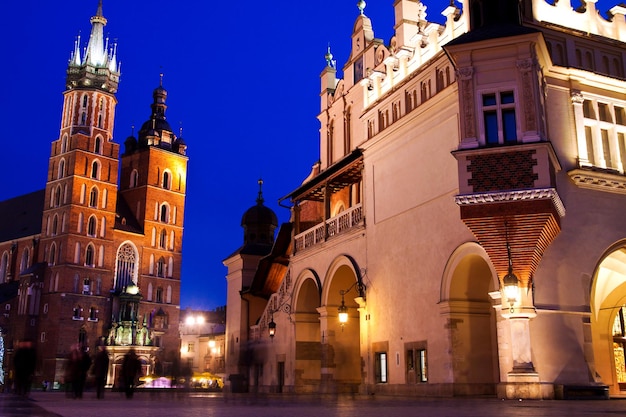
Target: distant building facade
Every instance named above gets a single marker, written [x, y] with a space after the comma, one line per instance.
[465, 216]
[202, 343]
[96, 256]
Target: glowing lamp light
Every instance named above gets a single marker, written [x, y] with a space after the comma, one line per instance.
[510, 284]
[271, 327]
[343, 312]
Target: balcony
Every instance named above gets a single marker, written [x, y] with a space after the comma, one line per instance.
[508, 193]
[335, 226]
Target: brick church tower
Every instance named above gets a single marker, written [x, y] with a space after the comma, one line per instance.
[106, 266]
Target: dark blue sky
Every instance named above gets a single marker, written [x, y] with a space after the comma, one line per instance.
[242, 78]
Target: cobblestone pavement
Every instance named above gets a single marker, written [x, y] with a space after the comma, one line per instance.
[55, 404]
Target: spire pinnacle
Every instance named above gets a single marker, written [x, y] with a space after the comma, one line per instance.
[361, 5]
[96, 64]
[259, 199]
[96, 51]
[330, 62]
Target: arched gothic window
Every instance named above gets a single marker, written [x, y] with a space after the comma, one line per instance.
[52, 255]
[134, 178]
[95, 170]
[98, 145]
[165, 213]
[167, 180]
[92, 226]
[25, 260]
[161, 267]
[4, 264]
[57, 196]
[55, 225]
[127, 265]
[61, 172]
[93, 197]
[90, 255]
[163, 239]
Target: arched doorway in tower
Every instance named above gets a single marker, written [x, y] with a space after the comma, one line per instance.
[471, 321]
[308, 360]
[608, 321]
[341, 353]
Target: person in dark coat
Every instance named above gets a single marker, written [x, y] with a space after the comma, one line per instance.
[79, 363]
[101, 370]
[131, 368]
[24, 362]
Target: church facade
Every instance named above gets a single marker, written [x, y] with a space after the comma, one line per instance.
[463, 230]
[95, 257]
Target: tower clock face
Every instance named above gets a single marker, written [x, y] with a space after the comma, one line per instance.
[358, 69]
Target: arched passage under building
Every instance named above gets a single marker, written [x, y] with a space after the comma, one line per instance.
[471, 321]
[608, 319]
[308, 360]
[340, 351]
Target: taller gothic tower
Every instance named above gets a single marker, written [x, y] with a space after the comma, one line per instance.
[80, 198]
[110, 249]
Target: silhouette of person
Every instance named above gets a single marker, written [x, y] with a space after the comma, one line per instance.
[78, 365]
[100, 370]
[24, 362]
[131, 367]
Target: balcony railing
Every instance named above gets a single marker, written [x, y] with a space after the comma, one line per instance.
[335, 226]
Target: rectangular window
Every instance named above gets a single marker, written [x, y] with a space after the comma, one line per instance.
[620, 117]
[621, 141]
[606, 149]
[421, 356]
[500, 124]
[588, 110]
[589, 140]
[190, 347]
[416, 363]
[381, 367]
[603, 112]
[604, 129]
[491, 128]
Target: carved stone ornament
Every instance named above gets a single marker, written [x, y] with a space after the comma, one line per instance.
[577, 97]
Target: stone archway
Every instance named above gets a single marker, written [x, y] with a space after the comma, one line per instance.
[471, 321]
[608, 315]
[308, 360]
[341, 353]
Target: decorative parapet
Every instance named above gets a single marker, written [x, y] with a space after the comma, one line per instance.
[511, 196]
[409, 58]
[587, 20]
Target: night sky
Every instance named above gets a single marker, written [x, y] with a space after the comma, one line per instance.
[243, 82]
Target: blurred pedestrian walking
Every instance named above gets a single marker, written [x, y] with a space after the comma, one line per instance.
[24, 362]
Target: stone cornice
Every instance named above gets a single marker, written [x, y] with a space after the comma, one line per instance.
[600, 181]
[510, 196]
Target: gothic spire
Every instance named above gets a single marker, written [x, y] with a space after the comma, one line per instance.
[86, 70]
[96, 51]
